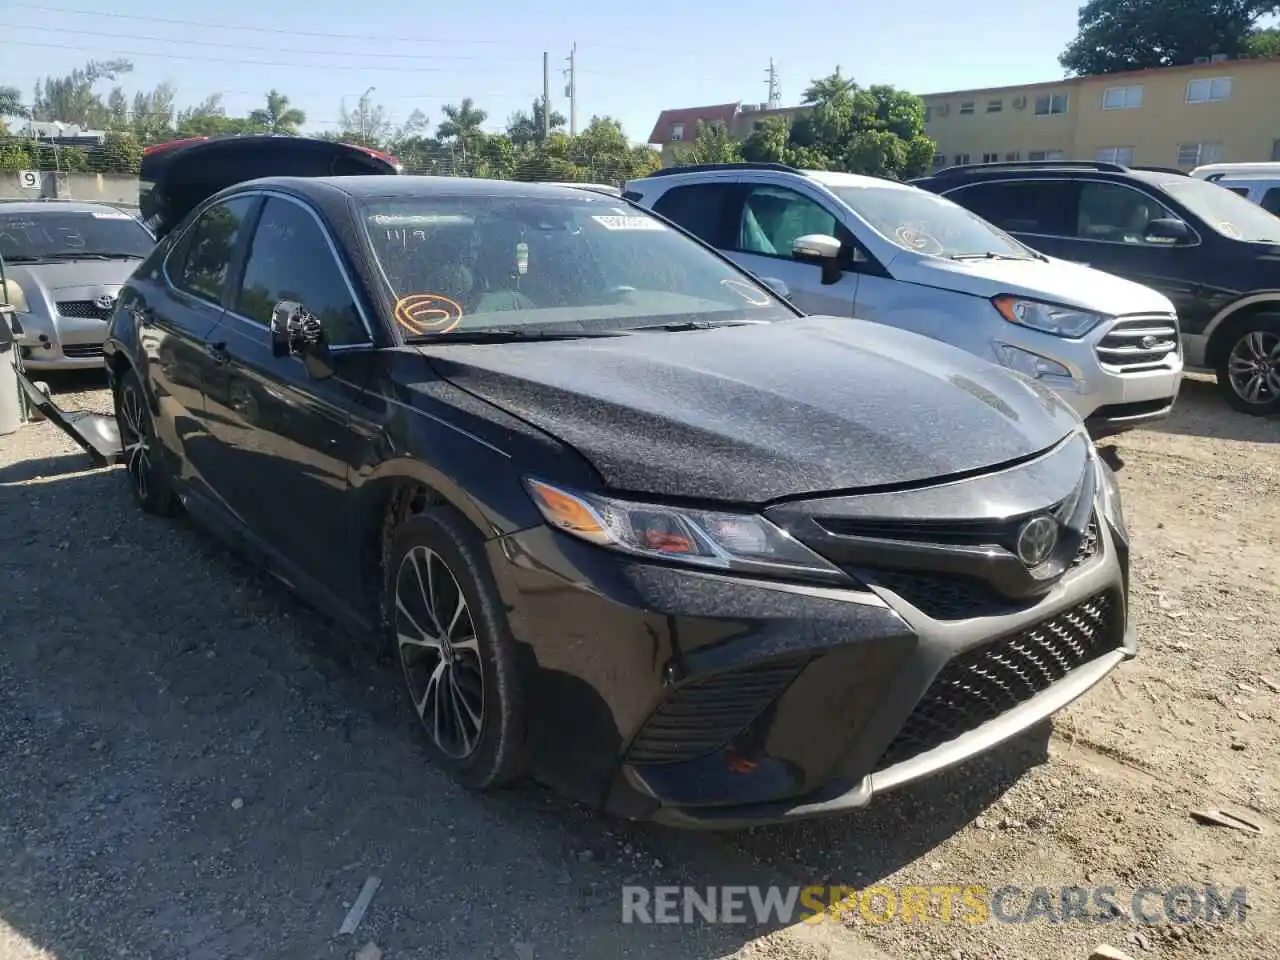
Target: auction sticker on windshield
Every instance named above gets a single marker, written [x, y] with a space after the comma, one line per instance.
[629, 223]
[110, 215]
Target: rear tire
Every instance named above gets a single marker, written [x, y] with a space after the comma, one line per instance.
[1249, 365]
[144, 457]
[449, 632]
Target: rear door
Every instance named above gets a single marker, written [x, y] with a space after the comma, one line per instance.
[285, 438]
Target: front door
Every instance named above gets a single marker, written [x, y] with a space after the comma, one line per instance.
[286, 435]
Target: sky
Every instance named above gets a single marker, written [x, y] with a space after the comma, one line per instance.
[633, 60]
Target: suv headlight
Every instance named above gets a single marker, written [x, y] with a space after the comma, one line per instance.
[703, 538]
[1047, 317]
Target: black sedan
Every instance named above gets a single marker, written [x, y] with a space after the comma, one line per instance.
[631, 523]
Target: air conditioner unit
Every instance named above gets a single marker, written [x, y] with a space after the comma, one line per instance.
[1200, 60]
[1218, 58]
[1019, 103]
[943, 109]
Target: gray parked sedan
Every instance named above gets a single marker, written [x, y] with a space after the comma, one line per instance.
[68, 260]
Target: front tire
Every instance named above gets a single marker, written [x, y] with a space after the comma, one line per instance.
[144, 458]
[455, 649]
[1249, 366]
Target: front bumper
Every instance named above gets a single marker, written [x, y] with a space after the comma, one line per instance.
[697, 699]
[62, 343]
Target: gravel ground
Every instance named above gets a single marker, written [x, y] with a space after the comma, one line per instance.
[195, 765]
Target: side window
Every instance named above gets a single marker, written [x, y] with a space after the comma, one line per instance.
[199, 263]
[1116, 213]
[289, 259]
[1270, 201]
[1042, 207]
[702, 209]
[773, 217]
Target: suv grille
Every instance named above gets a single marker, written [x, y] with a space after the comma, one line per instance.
[981, 684]
[83, 310]
[703, 715]
[1135, 344]
[82, 351]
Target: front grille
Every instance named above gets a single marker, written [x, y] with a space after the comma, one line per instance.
[703, 715]
[1135, 344]
[83, 310]
[946, 596]
[1088, 548]
[980, 684]
[82, 351]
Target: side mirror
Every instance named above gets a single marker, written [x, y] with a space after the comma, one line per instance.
[295, 332]
[1167, 230]
[776, 287]
[820, 249]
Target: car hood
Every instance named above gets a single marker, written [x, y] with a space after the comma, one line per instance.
[72, 274]
[752, 413]
[1055, 281]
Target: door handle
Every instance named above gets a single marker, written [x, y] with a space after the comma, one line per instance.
[218, 352]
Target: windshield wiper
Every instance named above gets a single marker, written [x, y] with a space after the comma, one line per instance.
[510, 334]
[989, 255]
[678, 326]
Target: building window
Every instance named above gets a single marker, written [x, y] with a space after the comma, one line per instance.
[1046, 155]
[1013, 156]
[1209, 91]
[677, 131]
[995, 106]
[1052, 104]
[991, 158]
[1122, 98]
[966, 107]
[961, 159]
[1195, 154]
[928, 114]
[939, 161]
[1120, 155]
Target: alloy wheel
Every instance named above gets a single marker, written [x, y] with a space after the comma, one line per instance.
[1254, 367]
[440, 652]
[135, 433]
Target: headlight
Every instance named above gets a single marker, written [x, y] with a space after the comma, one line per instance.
[1047, 317]
[1031, 364]
[703, 538]
[1109, 493]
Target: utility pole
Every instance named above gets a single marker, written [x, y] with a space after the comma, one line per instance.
[571, 90]
[775, 87]
[546, 96]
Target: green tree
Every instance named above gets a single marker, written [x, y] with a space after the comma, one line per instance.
[120, 152]
[711, 144]
[768, 143]
[1263, 43]
[11, 103]
[367, 125]
[1119, 35]
[525, 128]
[277, 116]
[71, 99]
[153, 113]
[461, 124]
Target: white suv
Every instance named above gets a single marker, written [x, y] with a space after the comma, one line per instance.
[848, 245]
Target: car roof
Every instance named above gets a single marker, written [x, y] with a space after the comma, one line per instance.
[395, 187]
[830, 178]
[56, 206]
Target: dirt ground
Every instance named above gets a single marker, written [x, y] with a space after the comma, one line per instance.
[195, 765]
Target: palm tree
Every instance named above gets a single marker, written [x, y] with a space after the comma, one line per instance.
[828, 88]
[461, 122]
[278, 116]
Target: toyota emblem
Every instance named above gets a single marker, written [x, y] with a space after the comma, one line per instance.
[105, 302]
[1036, 540]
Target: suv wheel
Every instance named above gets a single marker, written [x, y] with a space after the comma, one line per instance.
[144, 457]
[458, 656]
[1249, 365]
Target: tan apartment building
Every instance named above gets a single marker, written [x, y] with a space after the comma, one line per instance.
[1217, 111]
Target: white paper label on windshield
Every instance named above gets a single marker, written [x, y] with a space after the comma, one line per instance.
[629, 223]
[111, 215]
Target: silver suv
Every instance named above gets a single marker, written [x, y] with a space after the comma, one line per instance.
[848, 245]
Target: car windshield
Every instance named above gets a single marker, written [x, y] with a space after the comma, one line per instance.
[69, 235]
[1225, 211]
[581, 262]
[929, 224]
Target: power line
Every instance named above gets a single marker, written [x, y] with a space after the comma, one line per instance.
[184, 41]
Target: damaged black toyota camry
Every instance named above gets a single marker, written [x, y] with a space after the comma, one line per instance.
[628, 521]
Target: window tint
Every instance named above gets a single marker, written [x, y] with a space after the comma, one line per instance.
[702, 209]
[1270, 201]
[289, 259]
[199, 264]
[773, 217]
[1044, 207]
[1116, 213]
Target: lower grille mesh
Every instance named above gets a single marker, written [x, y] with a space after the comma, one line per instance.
[703, 715]
[981, 684]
